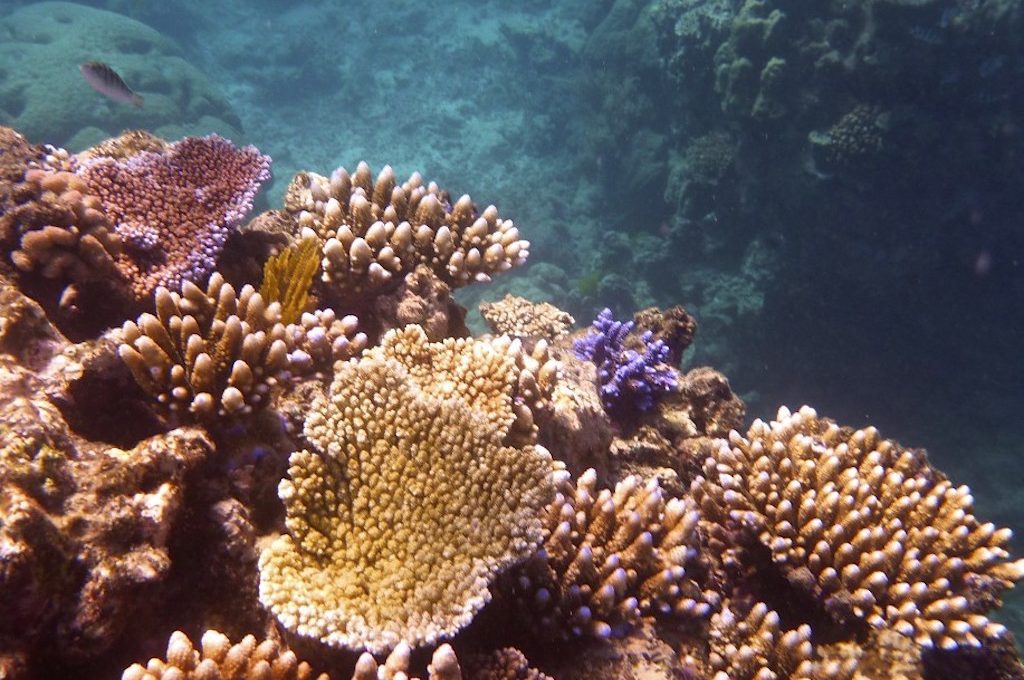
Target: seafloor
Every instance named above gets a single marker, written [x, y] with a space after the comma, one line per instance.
[827, 193]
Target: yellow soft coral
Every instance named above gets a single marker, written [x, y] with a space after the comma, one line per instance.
[288, 275]
[411, 501]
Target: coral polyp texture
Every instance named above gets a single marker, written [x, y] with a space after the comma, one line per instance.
[608, 557]
[217, 353]
[518, 317]
[629, 381]
[865, 527]
[375, 231]
[409, 502]
[174, 209]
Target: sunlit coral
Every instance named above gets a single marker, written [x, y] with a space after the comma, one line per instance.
[518, 317]
[410, 502]
[374, 232]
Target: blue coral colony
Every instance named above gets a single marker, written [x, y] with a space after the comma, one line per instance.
[344, 482]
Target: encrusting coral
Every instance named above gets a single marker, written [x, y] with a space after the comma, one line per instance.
[409, 502]
[608, 557]
[209, 353]
[374, 232]
[866, 528]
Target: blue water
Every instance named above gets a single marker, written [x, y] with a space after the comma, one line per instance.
[847, 226]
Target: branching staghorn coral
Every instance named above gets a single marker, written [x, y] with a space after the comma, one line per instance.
[217, 658]
[754, 647]
[374, 232]
[409, 501]
[214, 353]
[608, 557]
[862, 525]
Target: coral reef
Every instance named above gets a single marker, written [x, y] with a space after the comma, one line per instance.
[174, 209]
[410, 502]
[348, 490]
[218, 658]
[630, 381]
[85, 526]
[288, 276]
[864, 527]
[133, 214]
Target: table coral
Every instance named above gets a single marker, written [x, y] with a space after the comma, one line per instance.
[375, 232]
[174, 210]
[217, 353]
[863, 526]
[408, 503]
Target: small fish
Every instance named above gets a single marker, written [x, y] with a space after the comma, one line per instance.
[105, 80]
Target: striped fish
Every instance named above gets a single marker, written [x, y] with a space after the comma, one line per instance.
[105, 80]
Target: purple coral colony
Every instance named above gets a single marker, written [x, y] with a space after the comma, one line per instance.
[268, 447]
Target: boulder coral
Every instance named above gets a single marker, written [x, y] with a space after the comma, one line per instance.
[47, 99]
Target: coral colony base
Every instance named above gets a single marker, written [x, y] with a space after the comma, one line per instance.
[272, 450]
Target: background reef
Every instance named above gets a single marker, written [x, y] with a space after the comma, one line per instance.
[830, 189]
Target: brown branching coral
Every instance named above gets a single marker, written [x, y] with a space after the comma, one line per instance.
[209, 353]
[64, 233]
[755, 647]
[374, 232]
[410, 501]
[444, 665]
[865, 527]
[608, 557]
[217, 658]
[507, 663]
[519, 317]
